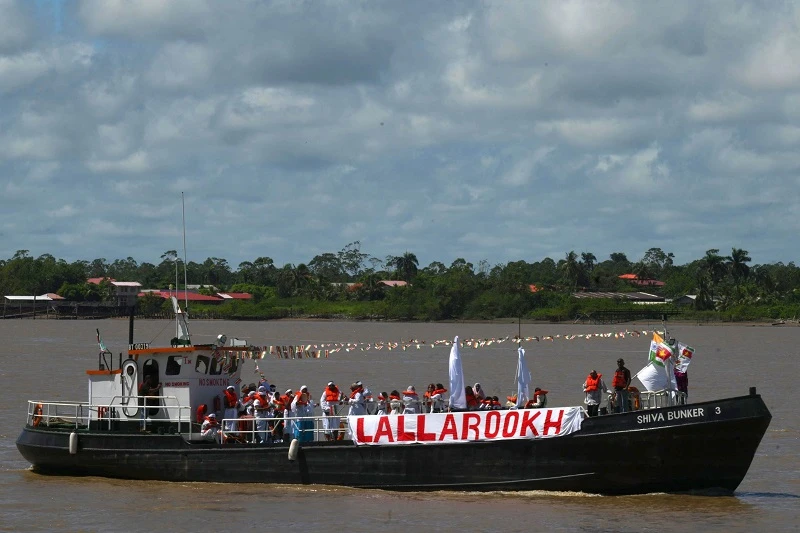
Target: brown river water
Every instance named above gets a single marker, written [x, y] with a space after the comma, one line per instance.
[46, 360]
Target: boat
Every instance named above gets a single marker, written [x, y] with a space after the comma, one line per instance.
[662, 447]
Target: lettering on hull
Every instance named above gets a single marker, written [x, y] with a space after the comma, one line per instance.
[680, 414]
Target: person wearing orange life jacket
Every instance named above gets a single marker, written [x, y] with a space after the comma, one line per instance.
[279, 408]
[331, 397]
[395, 403]
[472, 400]
[411, 403]
[495, 404]
[382, 405]
[209, 430]
[438, 404]
[231, 403]
[593, 387]
[427, 401]
[621, 382]
[539, 398]
[303, 406]
[357, 400]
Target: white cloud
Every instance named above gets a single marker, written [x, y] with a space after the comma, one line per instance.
[135, 163]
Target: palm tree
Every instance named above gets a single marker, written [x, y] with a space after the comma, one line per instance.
[714, 265]
[571, 270]
[405, 265]
[737, 264]
[588, 259]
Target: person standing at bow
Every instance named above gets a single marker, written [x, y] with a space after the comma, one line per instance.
[621, 382]
[330, 399]
[231, 412]
[593, 387]
[303, 407]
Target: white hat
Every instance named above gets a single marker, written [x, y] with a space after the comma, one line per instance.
[262, 389]
[359, 383]
[212, 415]
[304, 388]
[231, 387]
[330, 384]
[288, 391]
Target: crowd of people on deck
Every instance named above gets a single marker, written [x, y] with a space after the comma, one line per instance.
[264, 415]
[260, 413]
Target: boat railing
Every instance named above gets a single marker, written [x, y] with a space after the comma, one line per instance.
[80, 414]
[305, 428]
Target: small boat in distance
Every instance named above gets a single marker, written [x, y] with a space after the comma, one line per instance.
[119, 433]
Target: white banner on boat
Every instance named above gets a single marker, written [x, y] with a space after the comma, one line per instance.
[469, 426]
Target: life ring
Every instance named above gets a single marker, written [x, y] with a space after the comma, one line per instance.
[37, 415]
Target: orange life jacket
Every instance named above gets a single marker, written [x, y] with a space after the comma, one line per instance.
[472, 401]
[261, 397]
[230, 399]
[393, 397]
[438, 391]
[332, 394]
[212, 421]
[287, 401]
[280, 404]
[299, 397]
[619, 379]
[353, 394]
[592, 384]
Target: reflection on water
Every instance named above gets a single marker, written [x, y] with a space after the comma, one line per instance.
[47, 359]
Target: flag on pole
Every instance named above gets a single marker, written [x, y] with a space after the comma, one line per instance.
[685, 354]
[660, 351]
[458, 395]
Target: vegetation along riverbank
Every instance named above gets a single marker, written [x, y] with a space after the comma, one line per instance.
[350, 284]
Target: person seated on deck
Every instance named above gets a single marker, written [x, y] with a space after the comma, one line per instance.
[411, 404]
[438, 405]
[210, 428]
[539, 399]
[395, 403]
[427, 400]
[495, 405]
[473, 403]
[511, 401]
[479, 393]
[382, 408]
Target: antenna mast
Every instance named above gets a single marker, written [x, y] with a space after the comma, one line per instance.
[185, 286]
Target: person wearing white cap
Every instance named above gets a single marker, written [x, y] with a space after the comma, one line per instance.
[231, 412]
[330, 398]
[209, 430]
[261, 415]
[357, 401]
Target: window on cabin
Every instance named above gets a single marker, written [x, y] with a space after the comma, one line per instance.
[174, 365]
[201, 366]
[216, 366]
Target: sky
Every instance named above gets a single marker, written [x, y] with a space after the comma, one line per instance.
[497, 131]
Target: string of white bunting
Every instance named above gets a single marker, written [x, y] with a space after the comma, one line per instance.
[324, 350]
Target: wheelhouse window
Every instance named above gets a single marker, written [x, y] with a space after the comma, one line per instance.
[174, 365]
[201, 366]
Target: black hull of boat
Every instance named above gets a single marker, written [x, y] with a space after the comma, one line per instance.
[704, 447]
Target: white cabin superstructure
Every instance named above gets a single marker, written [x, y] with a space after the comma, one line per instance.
[190, 376]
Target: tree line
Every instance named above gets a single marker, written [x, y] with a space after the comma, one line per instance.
[348, 283]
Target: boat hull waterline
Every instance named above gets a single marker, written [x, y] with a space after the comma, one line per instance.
[704, 447]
